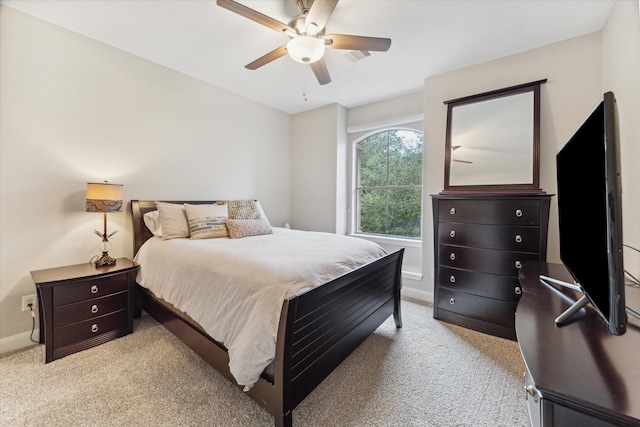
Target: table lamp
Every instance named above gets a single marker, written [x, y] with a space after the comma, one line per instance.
[104, 197]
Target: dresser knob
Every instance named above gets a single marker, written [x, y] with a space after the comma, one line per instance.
[518, 213]
[94, 289]
[452, 256]
[452, 233]
[452, 278]
[530, 390]
[518, 238]
[94, 308]
[518, 290]
[518, 264]
[452, 211]
[94, 328]
[452, 301]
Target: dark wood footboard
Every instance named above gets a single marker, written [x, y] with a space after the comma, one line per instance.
[318, 329]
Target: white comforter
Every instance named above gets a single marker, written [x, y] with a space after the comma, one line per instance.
[234, 288]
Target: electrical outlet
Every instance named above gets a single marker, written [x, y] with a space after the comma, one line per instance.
[29, 299]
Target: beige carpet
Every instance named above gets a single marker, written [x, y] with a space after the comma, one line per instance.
[428, 373]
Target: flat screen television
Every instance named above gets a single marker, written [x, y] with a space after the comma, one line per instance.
[590, 216]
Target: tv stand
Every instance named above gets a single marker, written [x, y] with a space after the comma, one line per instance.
[575, 307]
[578, 374]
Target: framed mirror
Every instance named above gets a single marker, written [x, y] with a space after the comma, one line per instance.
[493, 141]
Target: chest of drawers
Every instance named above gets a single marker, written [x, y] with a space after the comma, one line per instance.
[481, 242]
[82, 306]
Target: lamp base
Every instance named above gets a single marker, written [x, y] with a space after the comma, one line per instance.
[105, 259]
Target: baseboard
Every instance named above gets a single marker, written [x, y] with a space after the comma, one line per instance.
[417, 294]
[18, 342]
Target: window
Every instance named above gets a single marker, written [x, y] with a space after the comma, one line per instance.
[388, 190]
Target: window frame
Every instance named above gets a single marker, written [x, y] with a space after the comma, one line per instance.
[354, 208]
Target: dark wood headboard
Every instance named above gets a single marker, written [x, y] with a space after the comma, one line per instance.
[140, 207]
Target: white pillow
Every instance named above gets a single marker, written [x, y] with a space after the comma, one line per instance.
[173, 220]
[207, 221]
[262, 214]
[239, 228]
[152, 221]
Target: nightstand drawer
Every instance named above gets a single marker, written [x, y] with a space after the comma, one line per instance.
[76, 332]
[72, 313]
[512, 212]
[502, 237]
[89, 289]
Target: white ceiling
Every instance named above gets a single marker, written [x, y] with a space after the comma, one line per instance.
[429, 37]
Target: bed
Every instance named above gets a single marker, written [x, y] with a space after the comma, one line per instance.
[315, 331]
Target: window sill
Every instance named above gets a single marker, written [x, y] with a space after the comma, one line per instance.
[390, 240]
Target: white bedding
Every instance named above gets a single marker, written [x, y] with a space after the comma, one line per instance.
[234, 288]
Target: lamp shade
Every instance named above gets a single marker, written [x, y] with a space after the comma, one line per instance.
[305, 49]
[104, 197]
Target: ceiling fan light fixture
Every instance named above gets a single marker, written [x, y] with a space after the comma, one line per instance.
[305, 49]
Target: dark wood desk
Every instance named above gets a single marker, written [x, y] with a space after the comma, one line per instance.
[577, 374]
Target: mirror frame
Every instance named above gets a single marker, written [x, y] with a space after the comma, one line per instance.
[534, 186]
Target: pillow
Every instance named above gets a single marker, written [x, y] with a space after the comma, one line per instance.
[152, 221]
[173, 220]
[241, 209]
[239, 228]
[207, 221]
[262, 214]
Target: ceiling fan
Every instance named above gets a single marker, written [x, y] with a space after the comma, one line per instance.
[307, 34]
[455, 147]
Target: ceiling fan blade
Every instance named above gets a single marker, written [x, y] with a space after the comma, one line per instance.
[343, 41]
[319, 14]
[320, 70]
[264, 60]
[254, 15]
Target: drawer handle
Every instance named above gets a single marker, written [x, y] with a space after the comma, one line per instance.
[518, 238]
[452, 278]
[94, 328]
[518, 264]
[452, 256]
[94, 289]
[94, 308]
[518, 213]
[452, 301]
[518, 290]
[452, 233]
[452, 211]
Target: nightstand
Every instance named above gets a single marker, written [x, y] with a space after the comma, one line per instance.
[82, 306]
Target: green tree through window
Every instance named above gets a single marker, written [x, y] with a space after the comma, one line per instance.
[389, 184]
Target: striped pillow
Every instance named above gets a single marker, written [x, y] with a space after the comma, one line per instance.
[207, 221]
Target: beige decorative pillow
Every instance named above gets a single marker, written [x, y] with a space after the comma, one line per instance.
[152, 221]
[173, 220]
[207, 221]
[239, 228]
[241, 209]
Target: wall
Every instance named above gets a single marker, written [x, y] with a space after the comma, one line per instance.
[620, 74]
[74, 111]
[318, 152]
[572, 69]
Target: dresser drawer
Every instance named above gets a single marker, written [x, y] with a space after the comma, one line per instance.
[506, 212]
[502, 237]
[77, 332]
[487, 309]
[72, 313]
[89, 289]
[484, 260]
[504, 288]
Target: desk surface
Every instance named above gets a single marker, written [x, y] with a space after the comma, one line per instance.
[579, 364]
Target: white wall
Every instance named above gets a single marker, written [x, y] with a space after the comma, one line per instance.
[73, 111]
[621, 75]
[318, 156]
